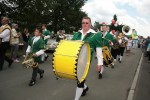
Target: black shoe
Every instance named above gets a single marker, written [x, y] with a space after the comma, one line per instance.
[10, 63]
[119, 61]
[41, 74]
[84, 91]
[32, 82]
[46, 57]
[100, 76]
[112, 66]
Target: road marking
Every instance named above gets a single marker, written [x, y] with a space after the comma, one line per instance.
[132, 89]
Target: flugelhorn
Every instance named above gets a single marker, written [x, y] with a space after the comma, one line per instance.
[29, 62]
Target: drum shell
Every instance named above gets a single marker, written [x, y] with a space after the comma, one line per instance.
[65, 59]
[108, 59]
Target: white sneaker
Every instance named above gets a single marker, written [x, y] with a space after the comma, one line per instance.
[16, 60]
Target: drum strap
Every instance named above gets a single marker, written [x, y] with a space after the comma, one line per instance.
[88, 35]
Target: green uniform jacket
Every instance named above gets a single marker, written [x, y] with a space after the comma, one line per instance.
[38, 45]
[106, 38]
[95, 40]
[47, 32]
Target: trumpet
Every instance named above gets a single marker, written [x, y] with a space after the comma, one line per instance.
[29, 62]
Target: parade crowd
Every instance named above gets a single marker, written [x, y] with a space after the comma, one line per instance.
[117, 45]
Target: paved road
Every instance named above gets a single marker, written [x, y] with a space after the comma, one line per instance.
[114, 85]
[143, 85]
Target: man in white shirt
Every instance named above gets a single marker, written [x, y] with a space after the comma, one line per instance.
[5, 35]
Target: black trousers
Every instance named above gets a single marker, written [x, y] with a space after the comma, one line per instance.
[4, 46]
[114, 52]
[80, 85]
[35, 72]
[121, 51]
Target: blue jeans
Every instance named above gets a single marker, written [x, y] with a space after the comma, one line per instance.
[14, 51]
[25, 48]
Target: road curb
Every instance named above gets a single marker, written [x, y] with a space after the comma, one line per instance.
[134, 83]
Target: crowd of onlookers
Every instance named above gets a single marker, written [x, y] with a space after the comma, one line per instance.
[146, 47]
[19, 39]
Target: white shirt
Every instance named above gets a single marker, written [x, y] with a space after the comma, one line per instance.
[14, 39]
[129, 43]
[5, 35]
[83, 34]
[104, 34]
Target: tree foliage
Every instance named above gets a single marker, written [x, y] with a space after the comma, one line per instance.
[58, 14]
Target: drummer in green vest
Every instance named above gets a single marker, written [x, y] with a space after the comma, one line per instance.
[108, 38]
[46, 36]
[95, 40]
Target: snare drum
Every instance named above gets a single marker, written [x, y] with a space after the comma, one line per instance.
[108, 59]
[71, 60]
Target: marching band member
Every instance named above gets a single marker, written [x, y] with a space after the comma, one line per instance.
[5, 40]
[95, 42]
[36, 48]
[107, 39]
[46, 36]
[122, 42]
[115, 47]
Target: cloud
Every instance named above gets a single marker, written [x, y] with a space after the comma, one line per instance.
[103, 11]
[142, 6]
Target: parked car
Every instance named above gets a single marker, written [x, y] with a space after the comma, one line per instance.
[52, 43]
[68, 36]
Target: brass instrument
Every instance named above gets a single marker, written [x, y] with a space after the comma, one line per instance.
[29, 62]
[126, 30]
[115, 43]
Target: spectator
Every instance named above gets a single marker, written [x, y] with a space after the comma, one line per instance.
[25, 36]
[148, 51]
[15, 43]
[129, 45]
[147, 41]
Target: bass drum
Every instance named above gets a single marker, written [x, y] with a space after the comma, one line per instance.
[71, 60]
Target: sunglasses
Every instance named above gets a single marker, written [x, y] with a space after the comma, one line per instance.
[85, 23]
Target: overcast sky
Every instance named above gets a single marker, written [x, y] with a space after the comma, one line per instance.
[135, 13]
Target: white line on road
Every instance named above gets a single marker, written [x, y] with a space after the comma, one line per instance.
[132, 89]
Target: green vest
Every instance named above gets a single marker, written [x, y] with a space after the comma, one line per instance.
[47, 32]
[94, 40]
[107, 37]
[38, 45]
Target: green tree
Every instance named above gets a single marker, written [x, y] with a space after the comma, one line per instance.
[59, 14]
